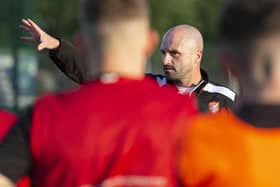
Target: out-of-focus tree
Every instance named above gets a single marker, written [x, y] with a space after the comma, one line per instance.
[4, 24]
[199, 13]
[61, 18]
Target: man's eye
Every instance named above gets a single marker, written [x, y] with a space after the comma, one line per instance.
[175, 54]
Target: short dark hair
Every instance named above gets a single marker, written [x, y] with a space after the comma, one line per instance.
[245, 20]
[96, 11]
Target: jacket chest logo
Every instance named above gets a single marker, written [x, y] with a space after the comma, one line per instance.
[214, 106]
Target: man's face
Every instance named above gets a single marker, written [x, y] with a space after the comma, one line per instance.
[177, 57]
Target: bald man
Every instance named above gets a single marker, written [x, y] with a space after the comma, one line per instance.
[182, 51]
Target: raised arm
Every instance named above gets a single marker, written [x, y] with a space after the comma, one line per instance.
[64, 55]
[42, 39]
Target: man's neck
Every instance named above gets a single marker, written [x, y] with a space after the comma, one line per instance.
[121, 66]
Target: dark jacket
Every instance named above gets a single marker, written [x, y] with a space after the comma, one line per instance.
[210, 97]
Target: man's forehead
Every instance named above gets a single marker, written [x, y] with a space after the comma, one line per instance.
[172, 41]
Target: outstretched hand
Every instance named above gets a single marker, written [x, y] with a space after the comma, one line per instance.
[42, 39]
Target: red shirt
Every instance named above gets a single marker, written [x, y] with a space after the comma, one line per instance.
[7, 120]
[116, 133]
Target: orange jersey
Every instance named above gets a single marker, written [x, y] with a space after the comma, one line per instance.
[223, 151]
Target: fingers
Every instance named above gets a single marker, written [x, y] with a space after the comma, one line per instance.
[41, 46]
[38, 36]
[24, 28]
[28, 27]
[25, 22]
[27, 39]
[34, 25]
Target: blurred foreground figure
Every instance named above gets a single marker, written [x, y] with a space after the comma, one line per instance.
[6, 121]
[182, 51]
[118, 129]
[241, 148]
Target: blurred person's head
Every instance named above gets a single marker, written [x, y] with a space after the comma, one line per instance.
[117, 36]
[182, 49]
[250, 31]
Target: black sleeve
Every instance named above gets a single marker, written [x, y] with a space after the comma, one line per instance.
[15, 154]
[228, 103]
[67, 59]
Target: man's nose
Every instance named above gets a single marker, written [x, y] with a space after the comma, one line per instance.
[166, 59]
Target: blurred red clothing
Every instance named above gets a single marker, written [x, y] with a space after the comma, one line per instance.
[114, 134]
[7, 119]
[111, 132]
[24, 182]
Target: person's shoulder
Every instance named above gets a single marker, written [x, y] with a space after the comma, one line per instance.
[50, 99]
[7, 116]
[211, 127]
[166, 97]
[44, 102]
[219, 89]
[168, 92]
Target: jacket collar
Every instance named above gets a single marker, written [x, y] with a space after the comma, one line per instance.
[202, 83]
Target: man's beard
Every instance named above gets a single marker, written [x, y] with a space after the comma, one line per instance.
[177, 78]
[172, 79]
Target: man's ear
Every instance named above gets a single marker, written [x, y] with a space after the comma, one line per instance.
[198, 57]
[152, 42]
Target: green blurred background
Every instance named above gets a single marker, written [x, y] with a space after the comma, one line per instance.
[25, 74]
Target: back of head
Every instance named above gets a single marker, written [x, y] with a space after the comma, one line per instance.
[250, 31]
[247, 20]
[110, 11]
[103, 19]
[114, 27]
